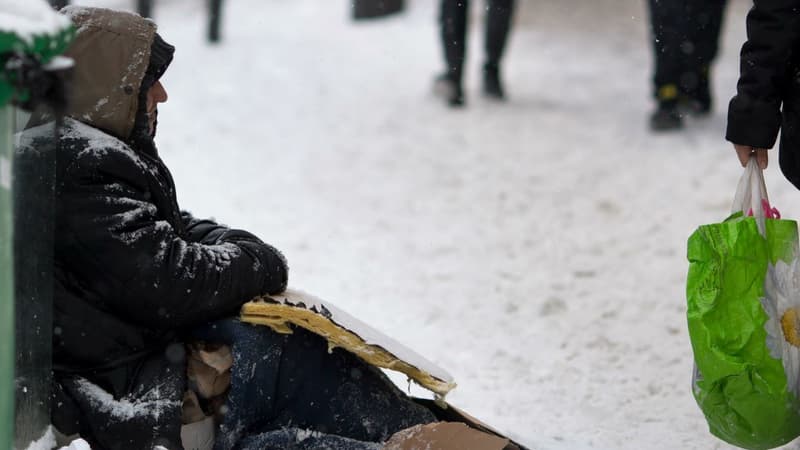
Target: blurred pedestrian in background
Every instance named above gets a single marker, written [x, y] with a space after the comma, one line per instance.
[372, 9]
[685, 40]
[145, 9]
[453, 22]
[768, 92]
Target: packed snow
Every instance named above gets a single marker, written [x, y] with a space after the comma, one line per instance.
[535, 249]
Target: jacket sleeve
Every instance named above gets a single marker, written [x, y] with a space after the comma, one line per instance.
[754, 114]
[140, 267]
[204, 231]
[209, 232]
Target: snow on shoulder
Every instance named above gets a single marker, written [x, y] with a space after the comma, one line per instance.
[345, 331]
[30, 18]
[98, 142]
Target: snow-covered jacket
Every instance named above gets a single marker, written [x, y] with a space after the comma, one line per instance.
[768, 91]
[133, 273]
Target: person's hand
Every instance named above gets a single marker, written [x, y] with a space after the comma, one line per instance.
[745, 151]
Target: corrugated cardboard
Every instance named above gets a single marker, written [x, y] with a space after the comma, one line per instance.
[297, 308]
[198, 435]
[450, 413]
[444, 436]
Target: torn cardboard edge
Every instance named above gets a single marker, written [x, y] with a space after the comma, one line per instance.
[345, 331]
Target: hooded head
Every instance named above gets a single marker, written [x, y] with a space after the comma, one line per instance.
[118, 57]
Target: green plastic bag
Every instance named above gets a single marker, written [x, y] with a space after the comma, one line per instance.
[743, 298]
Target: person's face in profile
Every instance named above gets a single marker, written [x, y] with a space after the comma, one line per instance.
[155, 95]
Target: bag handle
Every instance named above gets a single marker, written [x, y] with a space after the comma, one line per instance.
[751, 197]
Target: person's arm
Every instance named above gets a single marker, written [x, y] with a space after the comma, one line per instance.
[209, 232]
[754, 114]
[206, 231]
[142, 269]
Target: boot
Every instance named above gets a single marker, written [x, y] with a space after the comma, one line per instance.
[450, 90]
[492, 87]
[697, 102]
[666, 117]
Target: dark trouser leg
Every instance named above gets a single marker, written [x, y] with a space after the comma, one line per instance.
[58, 4]
[498, 24]
[292, 381]
[453, 23]
[704, 23]
[214, 18]
[666, 17]
[144, 8]
[337, 393]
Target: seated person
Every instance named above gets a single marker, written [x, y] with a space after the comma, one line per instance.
[137, 278]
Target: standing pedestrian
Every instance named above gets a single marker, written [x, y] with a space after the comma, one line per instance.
[453, 22]
[145, 9]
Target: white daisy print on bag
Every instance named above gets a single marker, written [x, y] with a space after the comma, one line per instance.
[782, 305]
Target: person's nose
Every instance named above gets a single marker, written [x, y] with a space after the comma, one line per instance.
[160, 93]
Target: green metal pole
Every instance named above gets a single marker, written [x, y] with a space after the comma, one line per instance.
[7, 351]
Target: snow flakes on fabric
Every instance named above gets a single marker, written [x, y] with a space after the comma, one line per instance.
[139, 209]
[115, 188]
[192, 256]
[99, 143]
[136, 234]
[32, 139]
[153, 403]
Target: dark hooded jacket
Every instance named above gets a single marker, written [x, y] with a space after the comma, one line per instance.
[768, 92]
[133, 272]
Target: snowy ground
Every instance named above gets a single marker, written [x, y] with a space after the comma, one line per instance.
[535, 249]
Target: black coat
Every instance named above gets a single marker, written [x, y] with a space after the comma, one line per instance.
[134, 273]
[768, 92]
[126, 251]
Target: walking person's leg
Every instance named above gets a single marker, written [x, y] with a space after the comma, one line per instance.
[144, 8]
[498, 25]
[453, 29]
[58, 4]
[705, 19]
[667, 34]
[214, 19]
